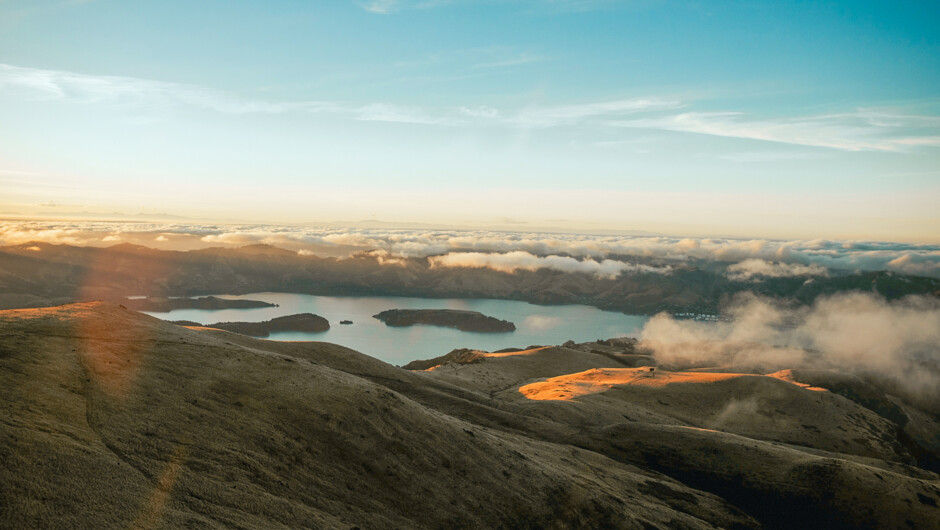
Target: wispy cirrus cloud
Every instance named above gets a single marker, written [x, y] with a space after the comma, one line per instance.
[748, 157]
[380, 7]
[862, 130]
[35, 84]
[70, 87]
[530, 117]
[398, 114]
[507, 59]
[552, 116]
[385, 7]
[471, 59]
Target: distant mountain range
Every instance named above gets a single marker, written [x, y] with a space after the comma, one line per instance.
[163, 304]
[40, 274]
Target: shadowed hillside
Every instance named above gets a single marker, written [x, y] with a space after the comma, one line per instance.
[117, 419]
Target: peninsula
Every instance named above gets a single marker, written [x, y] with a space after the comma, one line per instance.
[304, 322]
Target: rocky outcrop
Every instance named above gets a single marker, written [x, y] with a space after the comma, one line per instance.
[459, 356]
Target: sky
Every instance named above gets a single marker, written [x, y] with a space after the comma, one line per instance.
[735, 119]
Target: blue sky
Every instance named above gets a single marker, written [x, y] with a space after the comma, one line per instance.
[751, 119]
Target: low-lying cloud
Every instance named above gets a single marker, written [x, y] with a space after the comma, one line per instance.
[510, 262]
[746, 259]
[754, 269]
[897, 341]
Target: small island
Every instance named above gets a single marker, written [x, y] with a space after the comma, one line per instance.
[449, 318]
[163, 304]
[304, 322]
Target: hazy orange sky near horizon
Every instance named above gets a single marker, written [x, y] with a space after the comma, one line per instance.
[879, 217]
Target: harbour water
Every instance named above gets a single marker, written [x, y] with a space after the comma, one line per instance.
[535, 324]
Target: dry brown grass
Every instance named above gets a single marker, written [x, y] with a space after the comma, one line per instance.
[114, 419]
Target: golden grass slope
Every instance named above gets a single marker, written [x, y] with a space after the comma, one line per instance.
[790, 454]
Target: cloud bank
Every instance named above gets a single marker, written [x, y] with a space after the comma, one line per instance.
[754, 269]
[855, 332]
[510, 262]
[744, 260]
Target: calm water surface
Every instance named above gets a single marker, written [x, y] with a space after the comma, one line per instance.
[535, 324]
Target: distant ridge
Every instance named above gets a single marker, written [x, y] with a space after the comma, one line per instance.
[62, 273]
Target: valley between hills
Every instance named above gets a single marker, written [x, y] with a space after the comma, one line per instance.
[117, 419]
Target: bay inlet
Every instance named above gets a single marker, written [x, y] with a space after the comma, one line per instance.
[535, 324]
